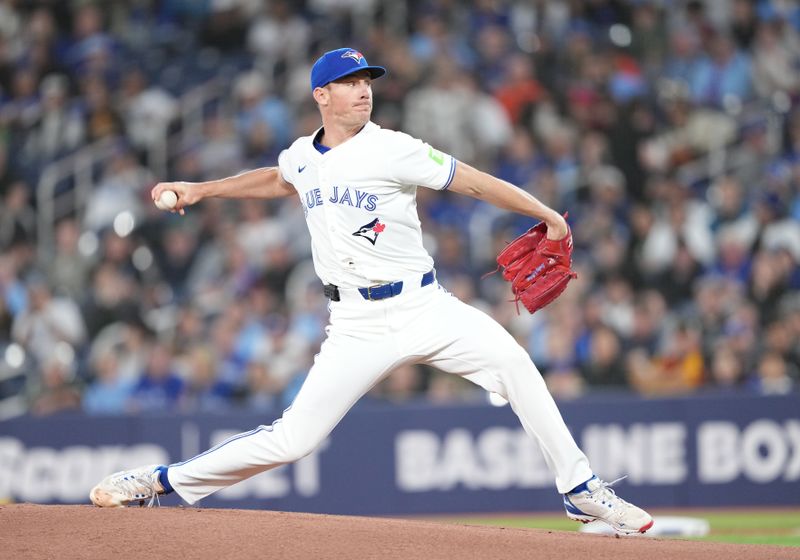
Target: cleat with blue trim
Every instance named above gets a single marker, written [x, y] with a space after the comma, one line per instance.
[121, 488]
[595, 500]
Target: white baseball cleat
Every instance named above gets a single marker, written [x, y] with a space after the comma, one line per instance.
[124, 487]
[599, 502]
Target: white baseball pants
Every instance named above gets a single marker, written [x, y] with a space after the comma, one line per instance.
[366, 341]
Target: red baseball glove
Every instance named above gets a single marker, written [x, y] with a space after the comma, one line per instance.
[538, 268]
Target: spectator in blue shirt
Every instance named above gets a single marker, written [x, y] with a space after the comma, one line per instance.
[723, 76]
[159, 388]
[110, 391]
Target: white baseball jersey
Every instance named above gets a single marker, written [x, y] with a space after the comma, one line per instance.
[359, 200]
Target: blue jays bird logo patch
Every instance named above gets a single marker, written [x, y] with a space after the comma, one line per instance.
[355, 55]
[371, 231]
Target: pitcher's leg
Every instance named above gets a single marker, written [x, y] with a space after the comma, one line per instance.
[344, 370]
[470, 343]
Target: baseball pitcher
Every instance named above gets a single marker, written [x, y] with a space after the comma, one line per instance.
[357, 183]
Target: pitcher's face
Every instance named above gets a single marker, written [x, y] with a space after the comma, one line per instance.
[348, 100]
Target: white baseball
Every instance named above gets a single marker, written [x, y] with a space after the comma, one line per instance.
[167, 200]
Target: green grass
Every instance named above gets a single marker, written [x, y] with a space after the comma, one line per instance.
[774, 527]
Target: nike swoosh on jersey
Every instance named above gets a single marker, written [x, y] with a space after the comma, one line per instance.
[300, 169]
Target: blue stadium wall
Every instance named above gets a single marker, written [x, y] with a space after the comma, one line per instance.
[735, 450]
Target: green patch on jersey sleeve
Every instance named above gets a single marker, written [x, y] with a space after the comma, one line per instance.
[436, 156]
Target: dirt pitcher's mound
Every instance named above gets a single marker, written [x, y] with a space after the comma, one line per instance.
[33, 532]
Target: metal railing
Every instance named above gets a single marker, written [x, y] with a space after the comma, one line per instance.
[65, 185]
[54, 204]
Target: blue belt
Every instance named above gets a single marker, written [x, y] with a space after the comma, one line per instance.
[392, 289]
[381, 291]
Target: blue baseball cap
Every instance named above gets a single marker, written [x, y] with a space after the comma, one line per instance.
[339, 63]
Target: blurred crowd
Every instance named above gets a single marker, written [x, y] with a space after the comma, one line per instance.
[669, 130]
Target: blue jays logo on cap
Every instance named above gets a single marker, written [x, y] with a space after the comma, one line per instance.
[340, 63]
[355, 55]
